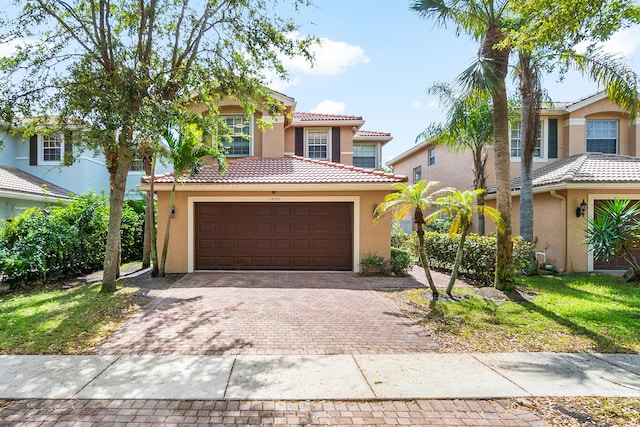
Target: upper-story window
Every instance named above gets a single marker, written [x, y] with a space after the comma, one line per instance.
[137, 165]
[602, 136]
[417, 174]
[432, 156]
[364, 156]
[516, 140]
[317, 144]
[50, 149]
[239, 140]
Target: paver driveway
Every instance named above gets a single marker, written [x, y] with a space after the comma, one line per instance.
[273, 313]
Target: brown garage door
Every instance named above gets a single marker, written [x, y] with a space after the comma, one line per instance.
[615, 263]
[273, 236]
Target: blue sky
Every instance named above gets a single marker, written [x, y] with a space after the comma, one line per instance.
[378, 58]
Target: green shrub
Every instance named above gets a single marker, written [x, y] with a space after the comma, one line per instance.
[478, 260]
[62, 241]
[400, 261]
[373, 264]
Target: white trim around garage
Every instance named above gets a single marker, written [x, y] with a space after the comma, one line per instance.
[272, 199]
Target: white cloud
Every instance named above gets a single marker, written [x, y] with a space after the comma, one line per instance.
[10, 47]
[417, 105]
[433, 105]
[623, 42]
[329, 107]
[331, 58]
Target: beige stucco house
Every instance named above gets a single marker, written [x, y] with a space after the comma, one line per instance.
[299, 195]
[589, 150]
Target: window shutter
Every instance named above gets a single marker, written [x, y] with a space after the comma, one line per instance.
[553, 138]
[33, 150]
[300, 142]
[335, 144]
[68, 148]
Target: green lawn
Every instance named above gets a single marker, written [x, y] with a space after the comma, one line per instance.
[49, 320]
[566, 313]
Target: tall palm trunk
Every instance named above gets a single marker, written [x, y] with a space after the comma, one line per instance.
[531, 98]
[165, 246]
[419, 220]
[480, 182]
[499, 58]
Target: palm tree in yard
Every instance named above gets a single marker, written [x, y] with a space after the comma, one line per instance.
[468, 128]
[411, 198]
[187, 150]
[487, 22]
[459, 207]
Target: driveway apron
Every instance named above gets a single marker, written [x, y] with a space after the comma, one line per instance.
[208, 313]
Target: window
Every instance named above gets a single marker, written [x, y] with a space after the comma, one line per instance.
[51, 149]
[602, 136]
[417, 174]
[318, 144]
[364, 156]
[239, 137]
[516, 140]
[432, 156]
[137, 165]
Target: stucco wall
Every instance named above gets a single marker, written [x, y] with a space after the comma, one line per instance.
[370, 239]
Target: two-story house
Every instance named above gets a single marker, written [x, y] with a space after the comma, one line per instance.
[47, 167]
[589, 151]
[299, 195]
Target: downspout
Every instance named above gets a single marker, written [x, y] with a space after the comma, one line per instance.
[563, 206]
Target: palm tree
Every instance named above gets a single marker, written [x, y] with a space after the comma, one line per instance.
[614, 231]
[409, 198]
[459, 207]
[469, 127]
[487, 22]
[186, 149]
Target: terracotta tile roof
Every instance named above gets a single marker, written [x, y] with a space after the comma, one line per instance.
[285, 170]
[596, 168]
[18, 181]
[317, 117]
[371, 133]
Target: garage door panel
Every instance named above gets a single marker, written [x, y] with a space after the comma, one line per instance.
[279, 236]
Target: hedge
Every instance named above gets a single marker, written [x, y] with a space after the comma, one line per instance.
[62, 241]
[478, 260]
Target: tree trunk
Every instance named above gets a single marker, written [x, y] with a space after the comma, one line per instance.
[480, 182]
[458, 261]
[165, 246]
[118, 181]
[419, 220]
[504, 263]
[531, 98]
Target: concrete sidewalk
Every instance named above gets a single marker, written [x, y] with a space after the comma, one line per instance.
[302, 377]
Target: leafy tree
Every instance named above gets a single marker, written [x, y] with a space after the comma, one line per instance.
[186, 148]
[469, 127]
[115, 65]
[459, 207]
[409, 198]
[615, 231]
[487, 21]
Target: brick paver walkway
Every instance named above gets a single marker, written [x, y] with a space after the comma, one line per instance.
[273, 313]
[256, 413]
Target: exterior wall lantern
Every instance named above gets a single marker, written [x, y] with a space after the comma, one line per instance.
[580, 210]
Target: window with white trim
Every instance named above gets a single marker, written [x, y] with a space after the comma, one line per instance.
[239, 138]
[137, 165]
[50, 149]
[364, 156]
[602, 136]
[417, 174]
[317, 144]
[432, 156]
[516, 140]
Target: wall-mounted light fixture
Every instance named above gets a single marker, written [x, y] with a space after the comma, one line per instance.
[580, 210]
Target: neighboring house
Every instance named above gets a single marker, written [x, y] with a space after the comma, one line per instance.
[20, 190]
[291, 198]
[54, 159]
[589, 150]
